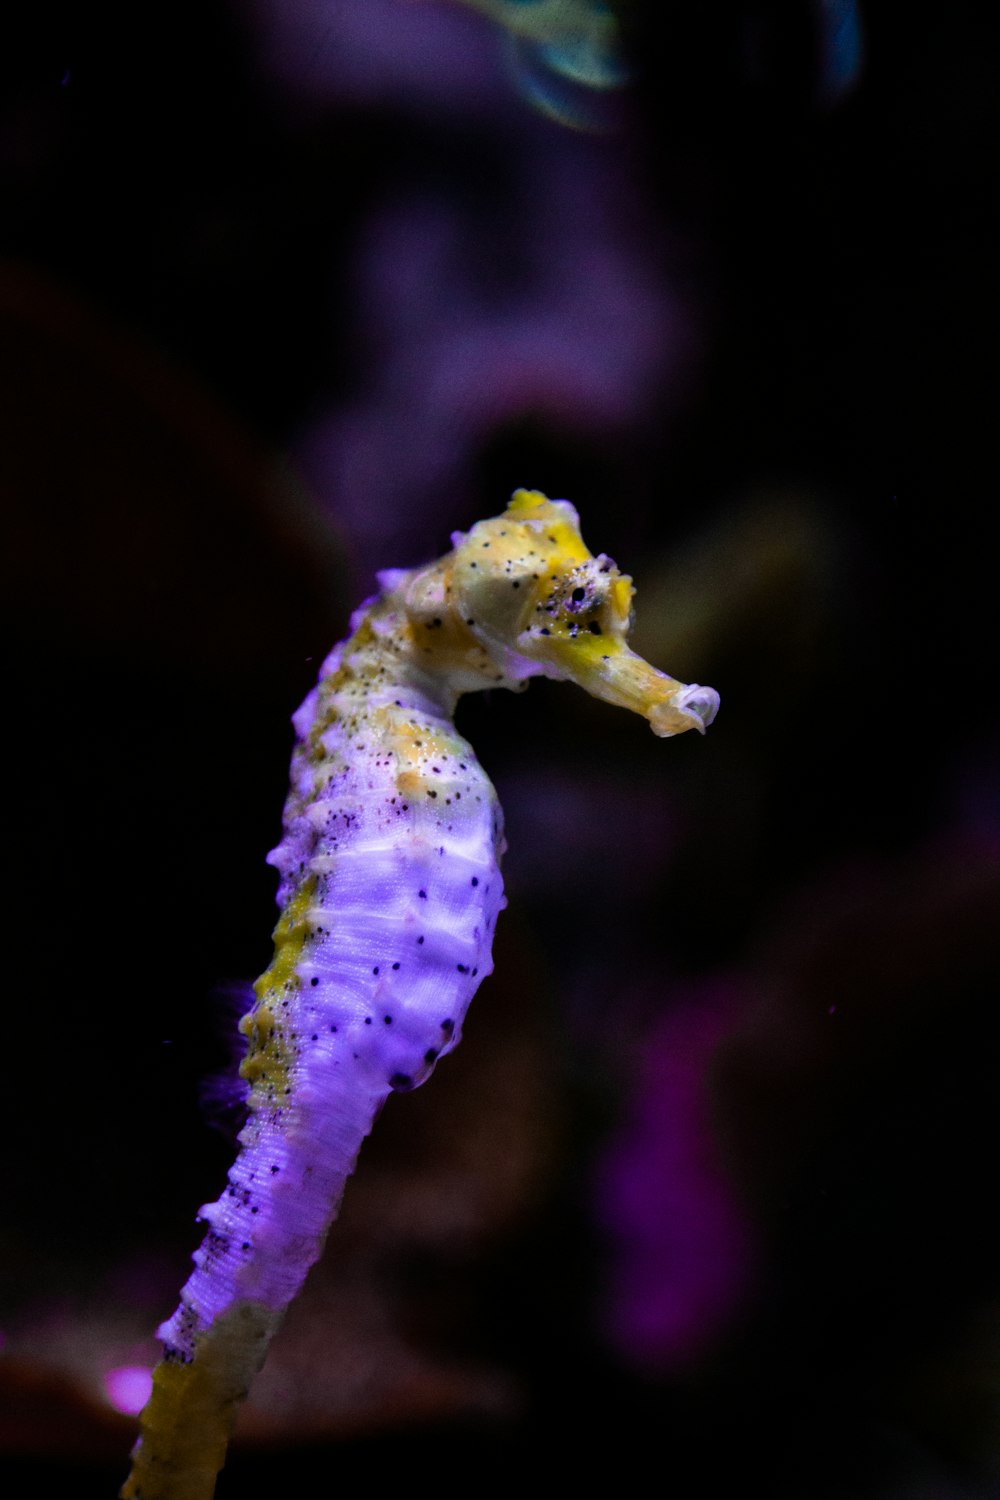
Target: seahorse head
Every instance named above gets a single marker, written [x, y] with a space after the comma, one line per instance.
[541, 604]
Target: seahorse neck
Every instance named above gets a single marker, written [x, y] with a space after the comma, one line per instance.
[399, 656]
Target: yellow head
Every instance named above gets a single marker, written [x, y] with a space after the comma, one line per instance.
[541, 604]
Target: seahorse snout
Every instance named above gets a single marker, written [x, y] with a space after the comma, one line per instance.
[682, 707]
[702, 703]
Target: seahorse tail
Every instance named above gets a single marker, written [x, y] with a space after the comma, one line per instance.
[189, 1417]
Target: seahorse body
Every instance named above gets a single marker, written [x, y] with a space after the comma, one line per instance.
[389, 891]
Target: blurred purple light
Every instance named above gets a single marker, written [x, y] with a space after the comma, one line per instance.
[127, 1388]
[683, 1248]
[422, 58]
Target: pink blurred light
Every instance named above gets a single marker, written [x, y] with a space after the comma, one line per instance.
[127, 1388]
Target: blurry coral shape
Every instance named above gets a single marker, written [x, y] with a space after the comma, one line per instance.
[502, 276]
[467, 324]
[686, 1246]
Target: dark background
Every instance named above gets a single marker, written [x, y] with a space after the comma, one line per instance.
[808, 510]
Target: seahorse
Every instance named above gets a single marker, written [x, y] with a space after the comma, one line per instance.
[390, 889]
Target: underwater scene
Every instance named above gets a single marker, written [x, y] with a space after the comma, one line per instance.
[362, 360]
